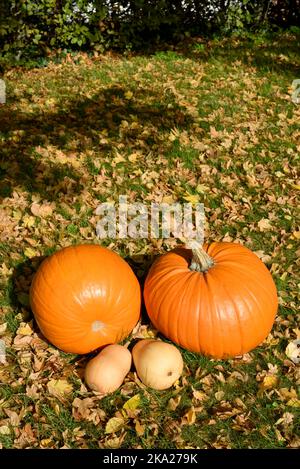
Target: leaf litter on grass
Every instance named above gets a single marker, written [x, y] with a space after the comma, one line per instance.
[218, 131]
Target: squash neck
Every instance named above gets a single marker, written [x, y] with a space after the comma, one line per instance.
[201, 261]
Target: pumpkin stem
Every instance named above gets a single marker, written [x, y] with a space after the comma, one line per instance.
[201, 261]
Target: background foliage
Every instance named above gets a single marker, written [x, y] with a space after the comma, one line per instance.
[211, 120]
[32, 27]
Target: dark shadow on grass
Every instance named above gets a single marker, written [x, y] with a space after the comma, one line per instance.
[265, 53]
[21, 280]
[20, 285]
[269, 55]
[26, 139]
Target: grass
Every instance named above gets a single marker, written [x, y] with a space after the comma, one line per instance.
[215, 121]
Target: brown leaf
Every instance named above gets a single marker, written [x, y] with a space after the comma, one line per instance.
[286, 420]
[174, 402]
[264, 224]
[13, 417]
[278, 435]
[139, 428]
[42, 210]
[113, 442]
[287, 394]
[200, 395]
[81, 407]
[293, 351]
[32, 391]
[189, 417]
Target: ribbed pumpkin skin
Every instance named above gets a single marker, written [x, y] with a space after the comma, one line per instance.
[84, 297]
[224, 312]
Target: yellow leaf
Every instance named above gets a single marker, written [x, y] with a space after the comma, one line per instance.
[24, 329]
[30, 252]
[46, 442]
[56, 408]
[28, 220]
[114, 425]
[128, 94]
[192, 198]
[17, 214]
[287, 394]
[4, 430]
[269, 382]
[133, 157]
[219, 395]
[201, 188]
[50, 102]
[296, 186]
[59, 387]
[5, 271]
[294, 402]
[132, 403]
[168, 199]
[119, 158]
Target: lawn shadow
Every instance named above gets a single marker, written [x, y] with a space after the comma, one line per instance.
[37, 150]
[266, 56]
[20, 286]
[21, 280]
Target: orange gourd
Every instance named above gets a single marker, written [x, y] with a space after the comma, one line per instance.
[84, 297]
[219, 300]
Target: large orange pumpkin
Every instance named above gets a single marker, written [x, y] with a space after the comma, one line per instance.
[84, 297]
[220, 301]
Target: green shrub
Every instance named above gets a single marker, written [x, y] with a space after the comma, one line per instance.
[29, 28]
